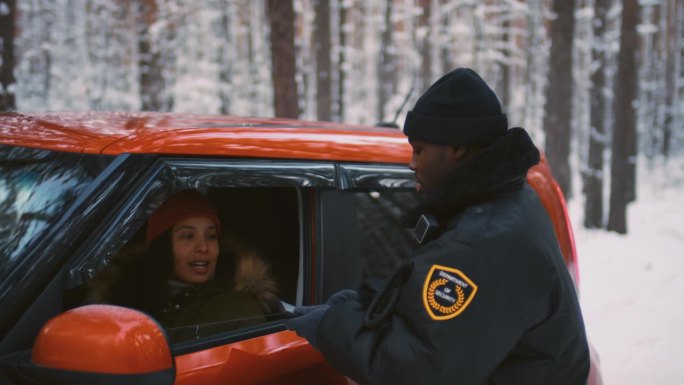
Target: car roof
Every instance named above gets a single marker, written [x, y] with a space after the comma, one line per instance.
[115, 133]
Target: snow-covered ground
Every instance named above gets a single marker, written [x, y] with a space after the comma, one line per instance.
[632, 286]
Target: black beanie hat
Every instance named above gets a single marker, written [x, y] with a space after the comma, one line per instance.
[458, 109]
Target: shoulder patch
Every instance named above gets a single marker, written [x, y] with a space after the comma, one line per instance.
[447, 292]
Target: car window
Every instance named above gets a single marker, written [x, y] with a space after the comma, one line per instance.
[36, 188]
[270, 207]
[384, 241]
[258, 266]
[364, 236]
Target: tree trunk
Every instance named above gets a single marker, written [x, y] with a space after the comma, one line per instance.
[558, 110]
[593, 205]
[386, 63]
[651, 79]
[253, 13]
[151, 78]
[225, 58]
[281, 20]
[672, 63]
[425, 45]
[623, 170]
[342, 60]
[534, 62]
[7, 80]
[505, 67]
[323, 60]
[445, 15]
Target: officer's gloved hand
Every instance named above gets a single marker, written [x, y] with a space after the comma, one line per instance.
[308, 321]
[310, 317]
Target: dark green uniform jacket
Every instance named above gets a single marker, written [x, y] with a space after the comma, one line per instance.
[488, 302]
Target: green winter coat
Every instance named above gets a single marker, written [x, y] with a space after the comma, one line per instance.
[209, 309]
[230, 301]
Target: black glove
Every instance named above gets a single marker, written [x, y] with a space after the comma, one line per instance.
[308, 322]
[310, 317]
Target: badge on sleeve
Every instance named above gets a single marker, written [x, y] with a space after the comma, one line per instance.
[447, 292]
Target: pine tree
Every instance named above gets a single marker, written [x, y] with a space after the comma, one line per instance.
[8, 12]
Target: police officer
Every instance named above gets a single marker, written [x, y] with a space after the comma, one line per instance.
[489, 300]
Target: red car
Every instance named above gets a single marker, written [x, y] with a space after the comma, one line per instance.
[321, 202]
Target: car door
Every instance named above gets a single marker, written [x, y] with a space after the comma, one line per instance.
[269, 203]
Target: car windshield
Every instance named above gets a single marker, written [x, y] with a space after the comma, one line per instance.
[36, 188]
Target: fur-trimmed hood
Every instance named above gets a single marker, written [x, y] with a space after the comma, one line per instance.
[253, 275]
[499, 167]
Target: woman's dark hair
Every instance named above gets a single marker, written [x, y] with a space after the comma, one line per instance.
[159, 256]
[143, 283]
[156, 268]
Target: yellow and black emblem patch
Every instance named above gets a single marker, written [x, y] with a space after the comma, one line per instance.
[447, 292]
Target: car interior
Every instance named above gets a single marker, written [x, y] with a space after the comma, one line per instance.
[261, 221]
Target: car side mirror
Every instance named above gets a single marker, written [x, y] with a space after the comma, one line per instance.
[97, 344]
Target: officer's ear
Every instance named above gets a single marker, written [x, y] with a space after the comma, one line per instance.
[458, 152]
[461, 153]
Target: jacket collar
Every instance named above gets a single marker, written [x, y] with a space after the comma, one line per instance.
[499, 167]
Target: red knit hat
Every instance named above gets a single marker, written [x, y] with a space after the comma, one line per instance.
[182, 205]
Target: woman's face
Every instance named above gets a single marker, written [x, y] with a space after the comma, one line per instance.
[195, 250]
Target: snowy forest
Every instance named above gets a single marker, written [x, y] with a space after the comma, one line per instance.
[598, 83]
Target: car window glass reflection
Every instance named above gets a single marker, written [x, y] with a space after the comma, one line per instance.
[36, 188]
[385, 241]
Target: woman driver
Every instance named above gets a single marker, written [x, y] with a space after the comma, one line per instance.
[184, 282]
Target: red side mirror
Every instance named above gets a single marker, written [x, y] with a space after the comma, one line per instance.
[100, 344]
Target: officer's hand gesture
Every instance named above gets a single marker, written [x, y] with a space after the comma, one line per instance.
[309, 317]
